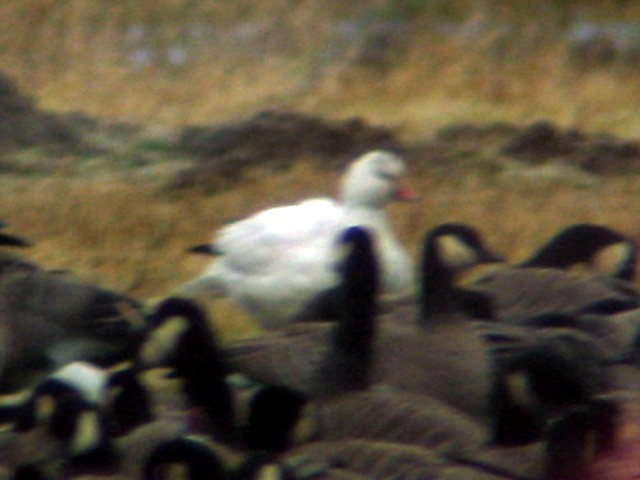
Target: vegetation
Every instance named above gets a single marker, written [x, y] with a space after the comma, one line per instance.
[132, 236]
[184, 62]
[190, 61]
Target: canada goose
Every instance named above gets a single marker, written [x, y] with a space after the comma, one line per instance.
[385, 414]
[593, 430]
[180, 337]
[440, 356]
[11, 240]
[88, 446]
[540, 284]
[67, 428]
[88, 450]
[535, 383]
[199, 458]
[179, 328]
[9, 261]
[449, 249]
[202, 459]
[274, 262]
[586, 243]
[89, 421]
[615, 335]
[77, 380]
[127, 404]
[118, 395]
[48, 320]
[443, 356]
[274, 413]
[570, 445]
[349, 440]
[558, 370]
[520, 293]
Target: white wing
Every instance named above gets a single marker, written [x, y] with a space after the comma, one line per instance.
[276, 260]
[290, 236]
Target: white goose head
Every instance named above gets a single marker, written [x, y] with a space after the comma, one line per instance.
[375, 179]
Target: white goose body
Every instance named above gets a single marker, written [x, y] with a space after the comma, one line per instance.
[276, 261]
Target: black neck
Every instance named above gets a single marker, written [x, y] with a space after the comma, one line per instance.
[201, 363]
[438, 295]
[355, 330]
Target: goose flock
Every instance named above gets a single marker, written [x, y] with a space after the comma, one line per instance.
[369, 367]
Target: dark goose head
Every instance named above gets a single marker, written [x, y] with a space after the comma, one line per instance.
[449, 249]
[181, 337]
[582, 243]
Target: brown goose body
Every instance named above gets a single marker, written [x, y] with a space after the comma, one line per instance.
[526, 292]
[436, 354]
[568, 451]
[50, 319]
[388, 415]
[450, 363]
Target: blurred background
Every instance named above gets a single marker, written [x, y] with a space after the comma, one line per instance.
[415, 63]
[130, 130]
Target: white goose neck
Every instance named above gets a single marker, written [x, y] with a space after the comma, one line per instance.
[364, 215]
[369, 183]
[357, 196]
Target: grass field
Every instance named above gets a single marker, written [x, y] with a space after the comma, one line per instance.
[189, 61]
[131, 234]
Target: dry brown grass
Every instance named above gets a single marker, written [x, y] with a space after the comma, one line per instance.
[76, 56]
[132, 236]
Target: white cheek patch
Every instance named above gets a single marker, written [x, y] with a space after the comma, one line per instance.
[14, 399]
[519, 388]
[608, 260]
[162, 341]
[270, 472]
[87, 434]
[307, 427]
[44, 407]
[88, 379]
[456, 254]
[175, 471]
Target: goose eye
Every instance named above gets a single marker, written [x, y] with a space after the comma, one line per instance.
[387, 176]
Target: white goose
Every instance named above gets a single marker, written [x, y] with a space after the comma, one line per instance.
[276, 262]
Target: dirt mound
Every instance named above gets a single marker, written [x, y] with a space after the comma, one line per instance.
[598, 153]
[23, 125]
[542, 140]
[497, 145]
[275, 139]
[219, 155]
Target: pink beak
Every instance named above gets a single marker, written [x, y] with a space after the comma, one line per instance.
[405, 192]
